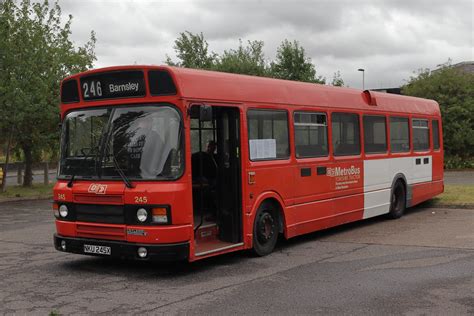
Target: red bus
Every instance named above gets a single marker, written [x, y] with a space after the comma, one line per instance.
[178, 164]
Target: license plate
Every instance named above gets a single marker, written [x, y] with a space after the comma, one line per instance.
[101, 250]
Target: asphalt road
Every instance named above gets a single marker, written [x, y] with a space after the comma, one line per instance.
[421, 264]
[459, 177]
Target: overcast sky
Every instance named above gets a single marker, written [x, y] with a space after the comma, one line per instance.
[389, 39]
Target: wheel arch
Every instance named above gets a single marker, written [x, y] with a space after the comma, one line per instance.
[401, 177]
[276, 201]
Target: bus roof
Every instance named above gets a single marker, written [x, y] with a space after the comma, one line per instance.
[225, 87]
[211, 85]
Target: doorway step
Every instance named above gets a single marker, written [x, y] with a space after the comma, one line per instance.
[207, 242]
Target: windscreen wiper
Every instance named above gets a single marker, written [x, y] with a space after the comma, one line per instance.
[105, 151]
[73, 176]
[122, 175]
[126, 180]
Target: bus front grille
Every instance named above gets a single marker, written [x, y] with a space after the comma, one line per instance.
[100, 232]
[108, 214]
[97, 199]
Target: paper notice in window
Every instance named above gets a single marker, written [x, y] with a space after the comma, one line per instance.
[262, 148]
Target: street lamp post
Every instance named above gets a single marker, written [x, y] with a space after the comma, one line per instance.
[363, 77]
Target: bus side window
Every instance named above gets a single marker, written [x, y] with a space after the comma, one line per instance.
[375, 136]
[421, 134]
[435, 126]
[399, 135]
[345, 134]
[268, 134]
[311, 134]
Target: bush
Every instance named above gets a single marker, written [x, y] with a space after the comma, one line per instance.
[457, 162]
[453, 89]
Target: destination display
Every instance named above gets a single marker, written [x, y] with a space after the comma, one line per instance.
[111, 85]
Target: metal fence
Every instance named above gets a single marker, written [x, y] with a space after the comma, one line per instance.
[44, 172]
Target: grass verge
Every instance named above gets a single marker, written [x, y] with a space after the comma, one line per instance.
[37, 191]
[455, 195]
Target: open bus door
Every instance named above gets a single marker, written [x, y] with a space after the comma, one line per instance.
[216, 169]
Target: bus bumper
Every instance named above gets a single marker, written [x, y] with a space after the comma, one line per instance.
[123, 250]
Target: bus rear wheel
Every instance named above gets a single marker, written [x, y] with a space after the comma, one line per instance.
[265, 230]
[397, 201]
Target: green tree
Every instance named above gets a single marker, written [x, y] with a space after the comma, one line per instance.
[192, 52]
[292, 64]
[453, 89]
[337, 80]
[36, 54]
[248, 60]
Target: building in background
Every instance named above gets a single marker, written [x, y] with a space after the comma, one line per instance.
[389, 90]
[465, 66]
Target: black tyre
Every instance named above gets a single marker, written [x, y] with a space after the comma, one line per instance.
[265, 230]
[397, 201]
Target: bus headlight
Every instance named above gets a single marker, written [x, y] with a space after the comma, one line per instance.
[63, 211]
[142, 215]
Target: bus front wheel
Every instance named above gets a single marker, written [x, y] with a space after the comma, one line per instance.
[397, 201]
[265, 230]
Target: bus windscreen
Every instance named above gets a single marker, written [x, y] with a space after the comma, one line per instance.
[146, 142]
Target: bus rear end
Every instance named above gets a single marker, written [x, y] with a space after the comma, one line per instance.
[122, 190]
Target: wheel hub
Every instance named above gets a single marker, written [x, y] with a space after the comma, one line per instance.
[266, 228]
